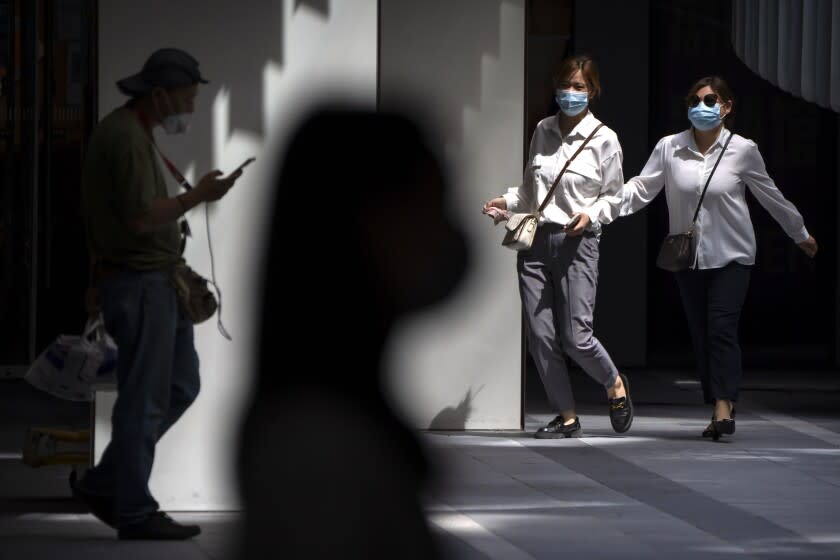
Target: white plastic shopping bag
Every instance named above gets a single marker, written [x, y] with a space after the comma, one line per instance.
[69, 366]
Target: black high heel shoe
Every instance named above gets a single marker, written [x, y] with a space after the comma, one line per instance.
[710, 432]
[722, 427]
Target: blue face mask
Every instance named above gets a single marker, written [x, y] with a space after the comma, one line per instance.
[571, 102]
[703, 117]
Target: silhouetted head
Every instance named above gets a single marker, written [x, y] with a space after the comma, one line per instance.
[361, 232]
[165, 89]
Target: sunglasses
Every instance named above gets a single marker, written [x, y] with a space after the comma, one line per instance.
[709, 100]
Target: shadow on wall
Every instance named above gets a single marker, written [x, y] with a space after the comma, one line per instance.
[411, 55]
[233, 41]
[455, 418]
[320, 6]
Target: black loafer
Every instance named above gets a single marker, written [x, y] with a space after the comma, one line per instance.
[621, 409]
[556, 430]
[102, 507]
[158, 527]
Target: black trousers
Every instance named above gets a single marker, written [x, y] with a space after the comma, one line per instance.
[712, 299]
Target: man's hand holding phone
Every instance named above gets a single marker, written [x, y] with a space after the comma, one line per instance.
[238, 171]
[214, 186]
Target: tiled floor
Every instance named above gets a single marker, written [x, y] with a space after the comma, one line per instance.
[76, 536]
[660, 491]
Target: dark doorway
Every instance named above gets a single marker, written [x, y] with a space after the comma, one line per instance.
[47, 109]
[788, 319]
[548, 36]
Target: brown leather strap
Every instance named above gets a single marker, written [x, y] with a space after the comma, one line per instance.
[557, 180]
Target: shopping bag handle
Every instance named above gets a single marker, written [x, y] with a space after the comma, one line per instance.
[93, 325]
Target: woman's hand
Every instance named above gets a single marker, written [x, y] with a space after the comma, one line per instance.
[581, 225]
[496, 209]
[809, 246]
[498, 202]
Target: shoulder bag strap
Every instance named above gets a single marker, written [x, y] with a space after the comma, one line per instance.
[703, 194]
[557, 180]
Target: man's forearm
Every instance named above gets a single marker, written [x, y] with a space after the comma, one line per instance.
[165, 211]
[189, 199]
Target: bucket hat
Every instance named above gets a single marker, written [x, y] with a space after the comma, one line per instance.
[167, 68]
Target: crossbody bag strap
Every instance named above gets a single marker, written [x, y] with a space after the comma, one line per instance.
[709, 180]
[557, 180]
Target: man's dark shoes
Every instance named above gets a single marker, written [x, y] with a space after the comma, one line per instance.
[158, 527]
[556, 430]
[102, 507]
[621, 409]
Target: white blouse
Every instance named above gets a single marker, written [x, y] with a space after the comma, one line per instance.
[592, 183]
[724, 232]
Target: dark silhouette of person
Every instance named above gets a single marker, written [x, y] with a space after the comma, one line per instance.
[135, 242]
[360, 237]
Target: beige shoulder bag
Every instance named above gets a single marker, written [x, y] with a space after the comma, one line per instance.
[522, 227]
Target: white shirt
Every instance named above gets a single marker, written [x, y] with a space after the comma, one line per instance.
[724, 232]
[592, 183]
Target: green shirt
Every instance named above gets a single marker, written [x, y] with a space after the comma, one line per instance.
[121, 177]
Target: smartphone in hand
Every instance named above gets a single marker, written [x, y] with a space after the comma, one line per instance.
[573, 222]
[244, 164]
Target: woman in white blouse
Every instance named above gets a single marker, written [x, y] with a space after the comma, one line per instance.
[714, 288]
[558, 276]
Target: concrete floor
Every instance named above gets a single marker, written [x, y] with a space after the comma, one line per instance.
[660, 491]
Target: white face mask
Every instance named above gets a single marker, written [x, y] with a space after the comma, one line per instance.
[176, 124]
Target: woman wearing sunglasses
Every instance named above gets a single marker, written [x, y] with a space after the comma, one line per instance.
[558, 275]
[714, 288]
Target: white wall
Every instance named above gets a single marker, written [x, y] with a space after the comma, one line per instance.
[459, 67]
[267, 60]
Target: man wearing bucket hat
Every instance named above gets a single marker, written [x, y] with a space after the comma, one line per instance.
[132, 230]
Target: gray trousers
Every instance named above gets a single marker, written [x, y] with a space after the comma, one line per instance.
[558, 278]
